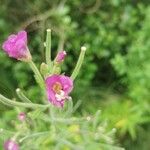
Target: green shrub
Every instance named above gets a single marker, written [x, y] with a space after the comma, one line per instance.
[134, 67]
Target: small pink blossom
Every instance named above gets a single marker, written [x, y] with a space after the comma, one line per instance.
[61, 56]
[11, 145]
[16, 46]
[22, 116]
[58, 89]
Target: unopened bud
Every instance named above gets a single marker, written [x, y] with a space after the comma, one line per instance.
[44, 69]
[11, 145]
[60, 56]
[22, 116]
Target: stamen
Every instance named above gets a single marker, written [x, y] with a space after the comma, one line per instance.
[57, 87]
[61, 96]
[58, 97]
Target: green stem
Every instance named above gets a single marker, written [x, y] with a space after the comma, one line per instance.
[7, 132]
[69, 108]
[38, 76]
[51, 111]
[22, 96]
[62, 120]
[15, 136]
[79, 63]
[48, 48]
[70, 144]
[34, 135]
[12, 103]
[95, 122]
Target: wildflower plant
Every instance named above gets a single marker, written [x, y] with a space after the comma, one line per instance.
[52, 123]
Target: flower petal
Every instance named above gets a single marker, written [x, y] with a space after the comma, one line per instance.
[67, 83]
[16, 46]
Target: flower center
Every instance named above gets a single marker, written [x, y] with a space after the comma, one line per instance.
[57, 87]
[61, 96]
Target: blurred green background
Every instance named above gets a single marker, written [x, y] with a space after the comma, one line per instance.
[115, 76]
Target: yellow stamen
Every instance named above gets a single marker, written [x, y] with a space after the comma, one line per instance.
[57, 87]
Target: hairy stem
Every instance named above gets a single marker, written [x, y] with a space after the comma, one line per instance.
[12, 103]
[79, 63]
[22, 96]
[34, 135]
[38, 76]
[48, 48]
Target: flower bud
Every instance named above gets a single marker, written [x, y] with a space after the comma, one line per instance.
[44, 69]
[11, 145]
[60, 56]
[22, 116]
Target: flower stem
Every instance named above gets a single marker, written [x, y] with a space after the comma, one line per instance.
[38, 76]
[48, 48]
[7, 132]
[22, 96]
[79, 63]
[12, 103]
[34, 135]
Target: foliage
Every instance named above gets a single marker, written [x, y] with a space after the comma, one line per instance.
[50, 125]
[111, 37]
[63, 131]
[142, 141]
[135, 65]
[116, 33]
[126, 116]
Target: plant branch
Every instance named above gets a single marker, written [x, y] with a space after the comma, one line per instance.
[38, 75]
[79, 63]
[22, 96]
[12, 103]
[48, 48]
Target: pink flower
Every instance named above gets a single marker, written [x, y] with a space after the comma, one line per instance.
[11, 145]
[58, 89]
[60, 56]
[22, 116]
[16, 46]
